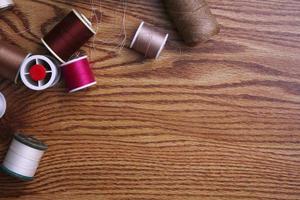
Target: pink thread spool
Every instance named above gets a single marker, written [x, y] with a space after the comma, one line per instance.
[78, 74]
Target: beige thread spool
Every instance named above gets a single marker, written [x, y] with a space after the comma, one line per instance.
[149, 41]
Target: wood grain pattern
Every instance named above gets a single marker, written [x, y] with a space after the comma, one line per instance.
[218, 121]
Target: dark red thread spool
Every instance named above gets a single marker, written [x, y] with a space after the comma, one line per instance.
[78, 74]
[68, 35]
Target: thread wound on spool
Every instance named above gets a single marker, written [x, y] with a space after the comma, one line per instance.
[193, 19]
[68, 36]
[148, 41]
[11, 58]
[23, 157]
[6, 4]
[78, 74]
[39, 72]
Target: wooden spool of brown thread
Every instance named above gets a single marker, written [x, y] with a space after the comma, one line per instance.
[193, 20]
[11, 58]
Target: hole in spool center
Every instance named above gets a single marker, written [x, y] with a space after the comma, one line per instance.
[37, 72]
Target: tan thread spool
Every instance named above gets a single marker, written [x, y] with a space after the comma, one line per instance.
[193, 19]
[11, 58]
[149, 41]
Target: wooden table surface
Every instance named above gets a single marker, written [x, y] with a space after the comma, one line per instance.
[218, 121]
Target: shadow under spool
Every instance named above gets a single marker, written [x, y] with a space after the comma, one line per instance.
[68, 36]
[11, 58]
[149, 41]
[6, 4]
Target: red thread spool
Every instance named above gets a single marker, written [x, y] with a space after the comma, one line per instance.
[68, 35]
[78, 74]
[39, 72]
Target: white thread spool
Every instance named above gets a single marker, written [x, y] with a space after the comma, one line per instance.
[2, 105]
[23, 157]
[52, 72]
[6, 4]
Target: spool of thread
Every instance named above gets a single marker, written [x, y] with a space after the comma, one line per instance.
[39, 72]
[6, 4]
[193, 20]
[2, 105]
[68, 35]
[23, 157]
[11, 58]
[78, 74]
[149, 41]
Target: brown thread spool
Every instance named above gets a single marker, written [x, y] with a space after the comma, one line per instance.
[193, 20]
[149, 41]
[11, 58]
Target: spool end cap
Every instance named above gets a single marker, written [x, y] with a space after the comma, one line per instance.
[37, 72]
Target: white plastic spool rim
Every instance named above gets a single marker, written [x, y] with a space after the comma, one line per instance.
[52, 72]
[18, 74]
[84, 20]
[136, 34]
[51, 51]
[73, 60]
[2, 105]
[6, 4]
[162, 46]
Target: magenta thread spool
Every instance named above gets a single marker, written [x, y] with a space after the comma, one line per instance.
[68, 35]
[78, 74]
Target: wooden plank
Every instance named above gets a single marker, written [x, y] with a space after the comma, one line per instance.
[218, 121]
